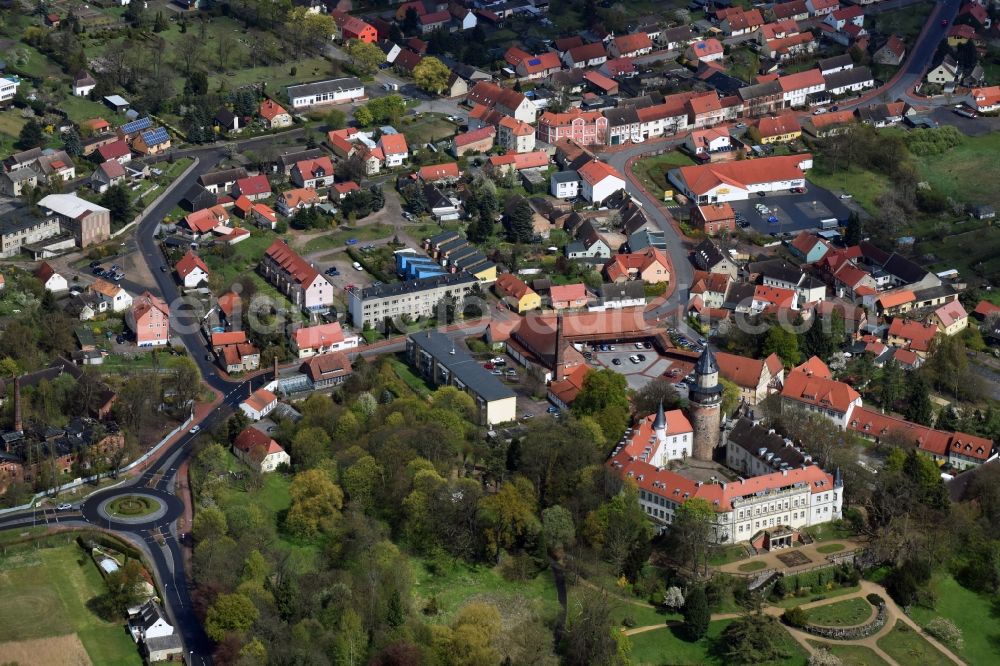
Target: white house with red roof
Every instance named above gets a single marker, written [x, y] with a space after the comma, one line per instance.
[737, 180]
[841, 18]
[313, 173]
[822, 7]
[273, 115]
[913, 335]
[323, 339]
[631, 46]
[705, 50]
[394, 149]
[259, 404]
[649, 265]
[107, 174]
[259, 451]
[50, 279]
[191, 270]
[253, 187]
[599, 180]
[568, 296]
[985, 100]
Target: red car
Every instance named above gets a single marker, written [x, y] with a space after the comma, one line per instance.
[488, 366]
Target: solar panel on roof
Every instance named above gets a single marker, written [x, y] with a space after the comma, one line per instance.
[156, 136]
[535, 61]
[137, 125]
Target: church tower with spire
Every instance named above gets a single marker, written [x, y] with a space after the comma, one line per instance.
[705, 405]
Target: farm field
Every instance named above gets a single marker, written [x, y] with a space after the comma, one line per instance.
[46, 592]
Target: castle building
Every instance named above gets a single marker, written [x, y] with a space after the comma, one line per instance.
[705, 399]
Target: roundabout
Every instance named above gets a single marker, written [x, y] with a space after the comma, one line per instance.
[132, 508]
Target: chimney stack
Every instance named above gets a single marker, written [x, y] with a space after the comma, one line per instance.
[18, 426]
[558, 372]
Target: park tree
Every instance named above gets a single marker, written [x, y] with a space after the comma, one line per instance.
[659, 391]
[604, 398]
[116, 199]
[230, 613]
[518, 221]
[508, 516]
[432, 75]
[209, 523]
[558, 530]
[472, 638]
[71, 143]
[691, 533]
[316, 504]
[553, 455]
[124, 590]
[591, 637]
[918, 404]
[365, 56]
[891, 385]
[621, 531]
[696, 614]
[755, 639]
[730, 395]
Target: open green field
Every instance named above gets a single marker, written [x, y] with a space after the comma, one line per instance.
[45, 594]
[853, 655]
[277, 77]
[428, 128]
[863, 184]
[828, 548]
[967, 172]
[906, 646]
[652, 171]
[973, 247]
[453, 584]
[906, 22]
[663, 646]
[846, 613]
[829, 531]
[338, 239]
[974, 614]
[81, 108]
[244, 259]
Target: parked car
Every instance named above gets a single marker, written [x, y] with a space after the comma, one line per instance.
[633, 359]
[798, 190]
[646, 345]
[511, 372]
[497, 372]
[527, 415]
[641, 357]
[616, 361]
[552, 409]
[352, 241]
[846, 196]
[64, 507]
[195, 429]
[489, 366]
[638, 345]
[499, 360]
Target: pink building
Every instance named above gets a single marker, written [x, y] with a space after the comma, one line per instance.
[586, 128]
[149, 319]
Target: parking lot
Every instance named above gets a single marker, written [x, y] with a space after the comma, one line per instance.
[795, 212]
[649, 366]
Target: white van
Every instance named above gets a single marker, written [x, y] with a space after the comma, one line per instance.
[357, 266]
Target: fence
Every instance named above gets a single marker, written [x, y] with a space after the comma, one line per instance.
[97, 477]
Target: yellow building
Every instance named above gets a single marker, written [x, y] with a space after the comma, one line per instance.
[782, 129]
[513, 291]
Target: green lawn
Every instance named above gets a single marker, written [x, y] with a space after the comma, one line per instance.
[244, 259]
[663, 646]
[906, 22]
[416, 384]
[846, 613]
[453, 584]
[864, 185]
[726, 554]
[338, 239]
[81, 108]
[428, 128]
[749, 567]
[45, 593]
[853, 655]
[967, 172]
[973, 613]
[828, 531]
[652, 171]
[816, 595]
[906, 646]
[277, 77]
[826, 549]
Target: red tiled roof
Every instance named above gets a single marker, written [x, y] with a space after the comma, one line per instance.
[542, 62]
[393, 144]
[269, 109]
[984, 308]
[260, 399]
[800, 80]
[634, 42]
[778, 126]
[568, 292]
[300, 269]
[818, 391]
[114, 150]
[229, 302]
[474, 136]
[918, 334]
[511, 285]
[228, 338]
[313, 168]
[532, 160]
[892, 299]
[815, 367]
[742, 370]
[253, 185]
[327, 366]
[188, 263]
[439, 171]
[323, 335]
[596, 171]
[587, 52]
[742, 173]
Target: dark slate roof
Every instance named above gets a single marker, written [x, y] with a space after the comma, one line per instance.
[835, 62]
[760, 90]
[767, 445]
[904, 269]
[707, 254]
[848, 77]
[623, 291]
[414, 286]
[706, 363]
[465, 369]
